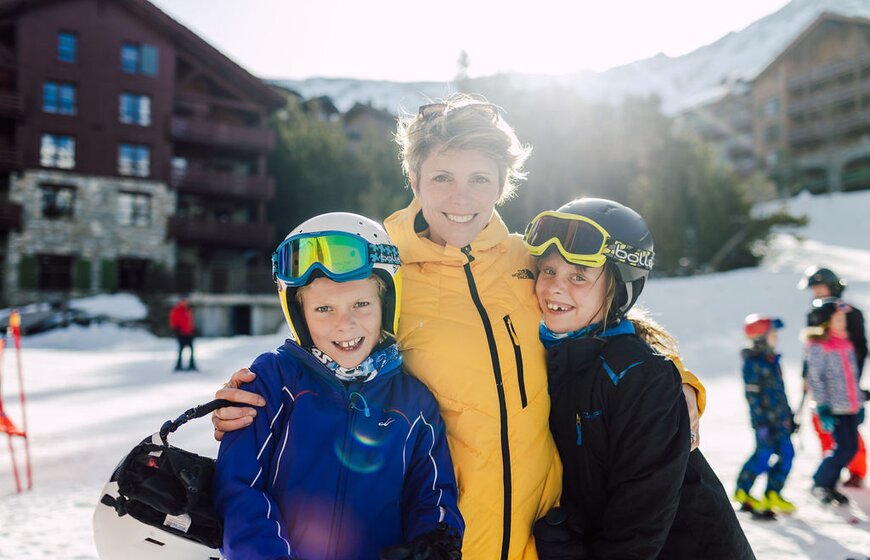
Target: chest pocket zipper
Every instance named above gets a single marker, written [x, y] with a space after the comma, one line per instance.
[518, 355]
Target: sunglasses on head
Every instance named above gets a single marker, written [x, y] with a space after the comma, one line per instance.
[339, 255]
[582, 241]
[427, 112]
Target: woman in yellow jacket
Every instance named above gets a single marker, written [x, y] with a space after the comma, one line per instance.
[469, 323]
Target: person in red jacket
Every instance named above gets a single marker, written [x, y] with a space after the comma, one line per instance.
[181, 323]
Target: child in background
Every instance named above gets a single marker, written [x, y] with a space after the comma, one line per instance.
[348, 458]
[630, 488]
[772, 419]
[832, 376]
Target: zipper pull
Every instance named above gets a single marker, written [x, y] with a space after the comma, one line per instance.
[579, 431]
[467, 251]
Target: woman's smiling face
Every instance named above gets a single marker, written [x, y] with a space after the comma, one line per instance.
[457, 190]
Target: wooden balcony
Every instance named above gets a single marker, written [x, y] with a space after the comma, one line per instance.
[198, 130]
[191, 231]
[10, 104]
[222, 184]
[10, 217]
[10, 159]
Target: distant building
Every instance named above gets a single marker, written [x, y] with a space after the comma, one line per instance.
[811, 107]
[131, 151]
[723, 120]
[364, 119]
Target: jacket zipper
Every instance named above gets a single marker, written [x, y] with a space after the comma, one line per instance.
[518, 354]
[502, 404]
[341, 486]
[579, 431]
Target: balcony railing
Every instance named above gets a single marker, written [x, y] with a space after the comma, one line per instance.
[191, 231]
[831, 129]
[203, 131]
[10, 216]
[221, 280]
[10, 104]
[9, 158]
[220, 183]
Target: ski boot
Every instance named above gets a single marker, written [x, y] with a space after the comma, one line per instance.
[777, 503]
[829, 496]
[748, 502]
[854, 481]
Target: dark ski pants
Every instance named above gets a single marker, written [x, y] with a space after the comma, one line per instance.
[845, 446]
[185, 341]
[774, 444]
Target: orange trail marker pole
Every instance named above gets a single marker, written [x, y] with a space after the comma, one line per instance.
[6, 424]
[15, 325]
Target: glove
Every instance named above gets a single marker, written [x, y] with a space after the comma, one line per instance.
[826, 419]
[557, 539]
[442, 543]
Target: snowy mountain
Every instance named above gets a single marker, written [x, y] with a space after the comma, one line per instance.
[678, 81]
[94, 392]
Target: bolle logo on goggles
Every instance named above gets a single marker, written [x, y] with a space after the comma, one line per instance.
[639, 258]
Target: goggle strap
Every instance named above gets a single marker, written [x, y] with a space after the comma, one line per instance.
[384, 254]
[628, 254]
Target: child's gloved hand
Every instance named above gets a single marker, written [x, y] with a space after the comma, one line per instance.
[826, 419]
[443, 543]
[556, 538]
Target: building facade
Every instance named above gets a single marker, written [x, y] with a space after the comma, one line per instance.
[811, 107]
[131, 153]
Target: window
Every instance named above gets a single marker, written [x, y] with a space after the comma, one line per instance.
[771, 108]
[55, 272]
[56, 150]
[139, 59]
[135, 109]
[58, 201]
[134, 209]
[134, 160]
[772, 133]
[59, 98]
[67, 46]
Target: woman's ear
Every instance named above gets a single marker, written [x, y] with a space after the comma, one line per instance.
[413, 182]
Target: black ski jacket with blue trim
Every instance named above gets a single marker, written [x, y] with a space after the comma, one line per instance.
[630, 485]
[331, 470]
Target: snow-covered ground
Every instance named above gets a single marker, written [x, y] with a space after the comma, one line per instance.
[95, 392]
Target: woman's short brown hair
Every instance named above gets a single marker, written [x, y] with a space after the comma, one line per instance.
[462, 122]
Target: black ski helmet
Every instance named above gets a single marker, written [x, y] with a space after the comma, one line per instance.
[816, 275]
[626, 226]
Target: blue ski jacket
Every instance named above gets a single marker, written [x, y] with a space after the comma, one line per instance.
[333, 470]
[765, 390]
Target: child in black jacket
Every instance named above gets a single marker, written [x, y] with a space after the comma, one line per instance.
[631, 488]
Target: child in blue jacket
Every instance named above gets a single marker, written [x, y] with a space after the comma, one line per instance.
[348, 458]
[771, 416]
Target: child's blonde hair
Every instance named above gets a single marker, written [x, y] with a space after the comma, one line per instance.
[462, 122]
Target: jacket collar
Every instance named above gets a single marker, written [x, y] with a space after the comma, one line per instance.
[304, 358]
[407, 229]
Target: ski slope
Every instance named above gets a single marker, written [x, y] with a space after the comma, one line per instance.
[95, 392]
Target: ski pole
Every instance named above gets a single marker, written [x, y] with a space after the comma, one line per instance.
[15, 325]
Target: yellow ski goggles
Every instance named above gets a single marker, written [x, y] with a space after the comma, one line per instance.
[582, 241]
[340, 256]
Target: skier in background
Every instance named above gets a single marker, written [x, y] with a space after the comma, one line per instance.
[182, 324]
[832, 375]
[771, 417]
[823, 282]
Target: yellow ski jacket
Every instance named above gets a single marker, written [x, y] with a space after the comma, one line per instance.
[468, 329]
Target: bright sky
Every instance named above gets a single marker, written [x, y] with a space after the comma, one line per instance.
[408, 40]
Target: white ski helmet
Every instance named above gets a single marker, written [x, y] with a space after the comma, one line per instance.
[342, 247]
[126, 538]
